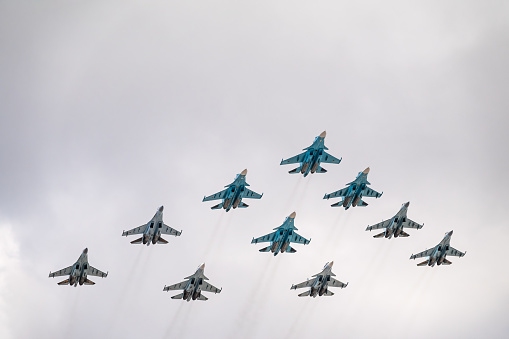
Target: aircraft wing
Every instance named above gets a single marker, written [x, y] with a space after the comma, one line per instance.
[264, 238]
[368, 192]
[216, 196]
[327, 158]
[62, 272]
[250, 194]
[136, 230]
[412, 224]
[168, 230]
[95, 272]
[298, 239]
[336, 283]
[382, 224]
[426, 253]
[294, 160]
[454, 252]
[209, 288]
[180, 286]
[306, 283]
[341, 193]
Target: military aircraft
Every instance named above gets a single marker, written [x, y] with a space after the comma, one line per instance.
[152, 230]
[234, 193]
[193, 286]
[394, 226]
[352, 194]
[312, 157]
[280, 239]
[438, 253]
[79, 272]
[319, 285]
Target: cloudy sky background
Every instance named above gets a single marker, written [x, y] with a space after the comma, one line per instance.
[109, 109]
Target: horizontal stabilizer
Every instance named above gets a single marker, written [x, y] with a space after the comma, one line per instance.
[137, 241]
[320, 169]
[89, 282]
[162, 241]
[379, 235]
[297, 170]
[305, 294]
[266, 249]
[362, 203]
[290, 249]
[446, 262]
[243, 205]
[424, 263]
[217, 207]
[340, 203]
[403, 234]
[65, 282]
[328, 293]
[178, 296]
[202, 297]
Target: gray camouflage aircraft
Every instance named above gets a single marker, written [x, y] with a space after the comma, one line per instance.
[394, 226]
[234, 193]
[152, 230]
[78, 272]
[282, 237]
[437, 255]
[312, 157]
[353, 193]
[319, 285]
[193, 286]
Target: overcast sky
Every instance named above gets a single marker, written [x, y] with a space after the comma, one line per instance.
[110, 109]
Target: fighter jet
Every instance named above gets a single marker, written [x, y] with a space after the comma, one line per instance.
[438, 253]
[352, 194]
[394, 226]
[193, 286]
[152, 230]
[312, 157]
[319, 285]
[280, 239]
[79, 272]
[233, 194]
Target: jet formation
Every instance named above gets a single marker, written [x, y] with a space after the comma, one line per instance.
[353, 193]
[152, 230]
[320, 284]
[234, 193]
[437, 255]
[78, 272]
[312, 157]
[282, 237]
[394, 226]
[193, 286]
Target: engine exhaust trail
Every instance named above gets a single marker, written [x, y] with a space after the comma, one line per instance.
[216, 229]
[185, 319]
[72, 312]
[299, 321]
[175, 319]
[291, 202]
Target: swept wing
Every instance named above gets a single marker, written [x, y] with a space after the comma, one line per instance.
[306, 283]
[265, 238]
[454, 252]
[216, 196]
[426, 253]
[251, 194]
[368, 192]
[168, 230]
[62, 272]
[296, 238]
[327, 158]
[336, 283]
[209, 288]
[382, 224]
[136, 230]
[341, 193]
[180, 286]
[95, 272]
[412, 224]
[293, 160]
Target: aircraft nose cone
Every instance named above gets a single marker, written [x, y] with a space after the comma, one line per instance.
[292, 216]
[244, 172]
[161, 208]
[85, 250]
[450, 233]
[331, 263]
[323, 134]
[202, 267]
[407, 204]
[366, 171]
